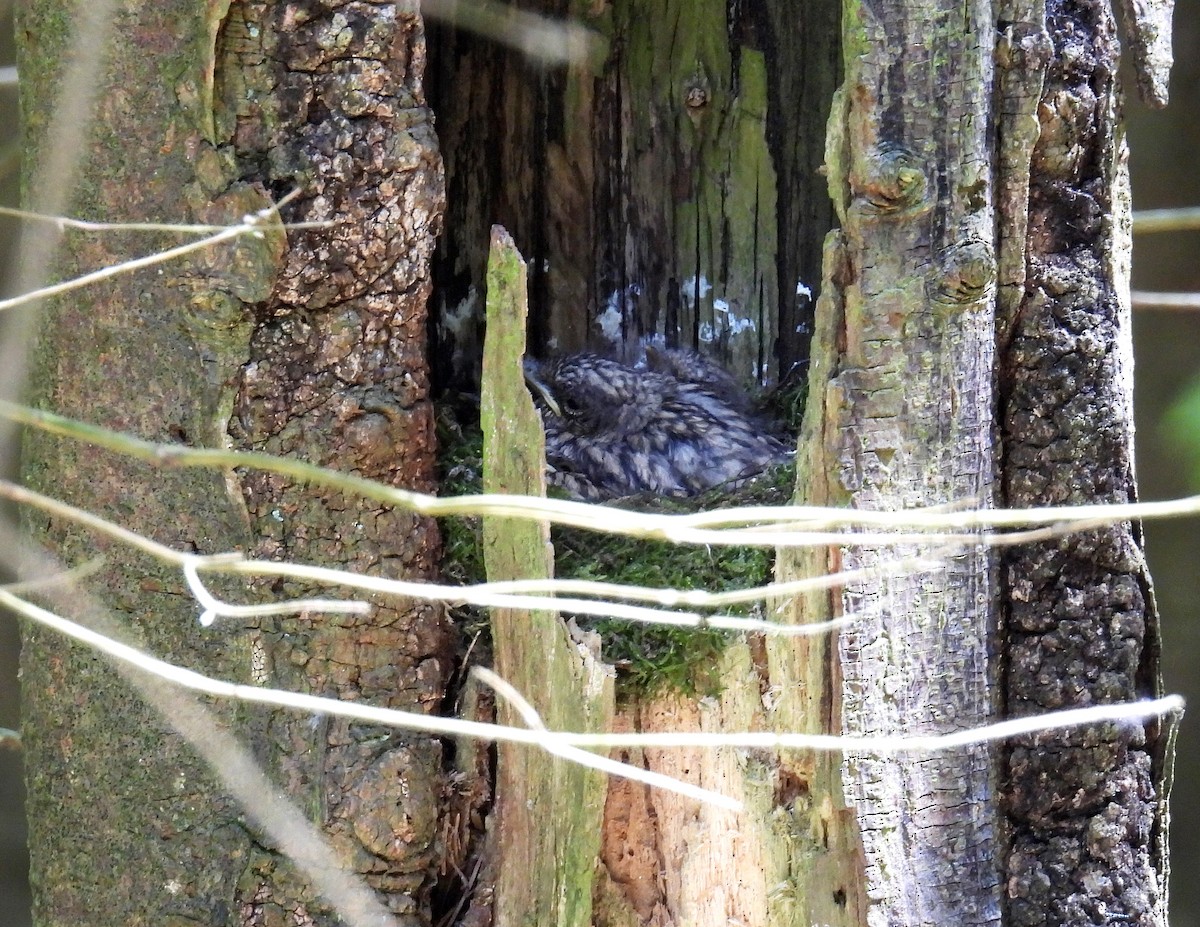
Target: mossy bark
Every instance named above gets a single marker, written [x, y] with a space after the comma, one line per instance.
[546, 823]
[306, 343]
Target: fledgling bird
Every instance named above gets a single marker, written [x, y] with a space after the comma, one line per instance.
[676, 429]
[690, 367]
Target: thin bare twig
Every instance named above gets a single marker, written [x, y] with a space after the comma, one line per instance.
[1143, 299]
[550, 41]
[403, 719]
[1166, 220]
[65, 222]
[530, 716]
[878, 745]
[272, 811]
[793, 525]
[529, 594]
[250, 225]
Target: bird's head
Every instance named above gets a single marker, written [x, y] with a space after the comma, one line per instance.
[586, 394]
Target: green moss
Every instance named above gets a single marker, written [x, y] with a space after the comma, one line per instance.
[855, 40]
[651, 657]
[460, 468]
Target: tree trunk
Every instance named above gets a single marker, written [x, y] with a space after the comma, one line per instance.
[903, 344]
[900, 415]
[1086, 810]
[309, 344]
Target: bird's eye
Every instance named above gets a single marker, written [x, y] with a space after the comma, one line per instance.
[571, 407]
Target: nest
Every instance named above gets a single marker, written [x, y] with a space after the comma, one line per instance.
[648, 658]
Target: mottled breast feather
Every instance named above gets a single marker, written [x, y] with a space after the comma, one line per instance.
[676, 427]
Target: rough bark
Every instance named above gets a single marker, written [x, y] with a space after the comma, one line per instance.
[1086, 810]
[900, 415]
[668, 189]
[310, 344]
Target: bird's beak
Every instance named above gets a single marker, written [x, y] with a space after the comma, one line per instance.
[541, 389]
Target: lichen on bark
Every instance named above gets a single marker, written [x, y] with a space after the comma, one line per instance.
[900, 416]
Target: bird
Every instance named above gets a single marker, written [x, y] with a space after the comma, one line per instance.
[677, 426]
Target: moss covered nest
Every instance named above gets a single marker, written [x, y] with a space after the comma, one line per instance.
[648, 658]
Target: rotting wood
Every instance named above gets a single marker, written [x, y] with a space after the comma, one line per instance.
[548, 811]
[669, 190]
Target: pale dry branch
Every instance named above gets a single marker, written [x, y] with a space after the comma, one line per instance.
[73, 575]
[550, 41]
[892, 744]
[187, 679]
[767, 526]
[1143, 299]
[252, 224]
[1166, 220]
[538, 594]
[62, 223]
[275, 815]
[51, 182]
[552, 741]
[602, 763]
[552, 594]
[214, 608]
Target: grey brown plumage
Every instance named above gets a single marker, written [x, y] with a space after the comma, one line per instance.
[676, 429]
[690, 367]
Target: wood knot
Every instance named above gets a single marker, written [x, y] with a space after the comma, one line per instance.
[966, 274]
[893, 182]
[697, 95]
